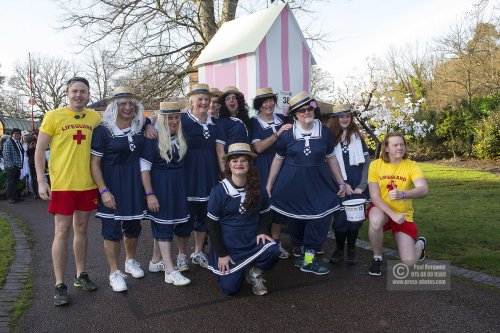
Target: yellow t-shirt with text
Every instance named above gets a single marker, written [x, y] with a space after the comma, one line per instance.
[71, 135]
[391, 176]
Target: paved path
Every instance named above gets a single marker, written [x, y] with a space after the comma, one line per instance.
[347, 299]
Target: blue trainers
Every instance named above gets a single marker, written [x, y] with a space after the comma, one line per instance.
[424, 242]
[315, 268]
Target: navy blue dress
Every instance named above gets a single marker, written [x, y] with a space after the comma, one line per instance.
[233, 130]
[202, 168]
[168, 180]
[354, 172]
[238, 231]
[261, 130]
[121, 171]
[305, 188]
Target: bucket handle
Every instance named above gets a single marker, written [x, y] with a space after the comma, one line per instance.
[352, 195]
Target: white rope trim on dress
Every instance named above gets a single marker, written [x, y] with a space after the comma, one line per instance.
[244, 263]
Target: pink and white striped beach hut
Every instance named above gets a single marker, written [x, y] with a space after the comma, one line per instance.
[264, 49]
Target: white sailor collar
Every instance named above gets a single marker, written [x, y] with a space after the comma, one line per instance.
[193, 117]
[298, 132]
[230, 189]
[265, 125]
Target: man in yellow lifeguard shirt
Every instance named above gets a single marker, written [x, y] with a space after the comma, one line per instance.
[394, 181]
[73, 194]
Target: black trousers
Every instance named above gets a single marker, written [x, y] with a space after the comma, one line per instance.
[34, 182]
[11, 183]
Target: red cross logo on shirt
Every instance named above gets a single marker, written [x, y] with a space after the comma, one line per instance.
[79, 137]
[392, 186]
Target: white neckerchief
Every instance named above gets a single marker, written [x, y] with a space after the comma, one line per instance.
[175, 142]
[300, 133]
[206, 132]
[234, 192]
[272, 124]
[356, 154]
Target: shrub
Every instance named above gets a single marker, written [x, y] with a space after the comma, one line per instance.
[487, 137]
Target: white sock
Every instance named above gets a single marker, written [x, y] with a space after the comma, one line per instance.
[378, 257]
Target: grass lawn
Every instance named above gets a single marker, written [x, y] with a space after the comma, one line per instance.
[6, 249]
[460, 218]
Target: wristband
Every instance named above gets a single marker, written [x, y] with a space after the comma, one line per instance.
[150, 193]
[404, 195]
[340, 184]
[104, 190]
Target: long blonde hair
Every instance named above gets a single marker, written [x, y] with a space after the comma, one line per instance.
[165, 146]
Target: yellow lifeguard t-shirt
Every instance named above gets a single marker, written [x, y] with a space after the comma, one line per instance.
[71, 135]
[391, 176]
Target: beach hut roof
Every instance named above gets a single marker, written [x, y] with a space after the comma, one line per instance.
[241, 36]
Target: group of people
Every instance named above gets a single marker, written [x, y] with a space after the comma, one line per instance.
[211, 169]
[17, 161]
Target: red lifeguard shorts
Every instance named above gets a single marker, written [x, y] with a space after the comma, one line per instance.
[66, 202]
[406, 227]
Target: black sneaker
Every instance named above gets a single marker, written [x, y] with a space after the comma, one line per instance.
[337, 256]
[297, 251]
[351, 257]
[299, 262]
[83, 281]
[61, 295]
[424, 241]
[375, 267]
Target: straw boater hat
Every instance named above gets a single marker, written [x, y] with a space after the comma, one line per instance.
[341, 109]
[169, 108]
[215, 92]
[264, 93]
[199, 88]
[299, 100]
[230, 90]
[124, 91]
[239, 149]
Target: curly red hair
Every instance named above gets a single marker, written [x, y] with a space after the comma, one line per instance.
[252, 185]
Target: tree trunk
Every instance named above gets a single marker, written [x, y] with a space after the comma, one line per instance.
[206, 19]
[229, 10]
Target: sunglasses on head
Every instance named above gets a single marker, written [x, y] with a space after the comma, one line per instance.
[79, 116]
[309, 108]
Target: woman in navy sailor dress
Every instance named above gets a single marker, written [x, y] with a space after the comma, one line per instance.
[121, 172]
[164, 181]
[267, 127]
[116, 148]
[233, 121]
[354, 161]
[238, 220]
[201, 132]
[300, 182]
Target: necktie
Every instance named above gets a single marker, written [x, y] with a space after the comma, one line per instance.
[307, 148]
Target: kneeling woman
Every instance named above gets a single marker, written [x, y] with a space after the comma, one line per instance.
[238, 222]
[164, 181]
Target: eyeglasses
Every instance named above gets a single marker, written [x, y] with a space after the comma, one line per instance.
[79, 116]
[309, 108]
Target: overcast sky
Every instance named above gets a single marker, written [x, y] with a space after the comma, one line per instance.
[360, 28]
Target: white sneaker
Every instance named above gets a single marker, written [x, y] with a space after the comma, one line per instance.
[182, 263]
[199, 259]
[156, 267]
[133, 267]
[176, 278]
[117, 281]
[284, 254]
